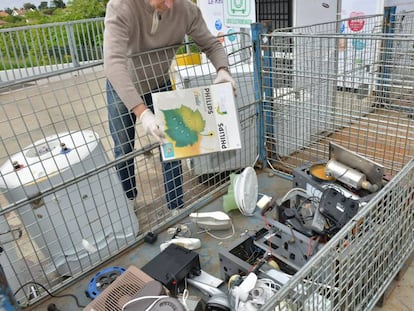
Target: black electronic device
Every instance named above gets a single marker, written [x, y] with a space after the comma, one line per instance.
[242, 255]
[294, 219]
[338, 208]
[172, 266]
[288, 245]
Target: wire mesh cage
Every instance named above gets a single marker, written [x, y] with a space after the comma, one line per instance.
[64, 210]
[328, 83]
[325, 84]
[62, 199]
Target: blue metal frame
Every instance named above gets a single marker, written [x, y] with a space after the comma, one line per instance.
[262, 84]
[383, 89]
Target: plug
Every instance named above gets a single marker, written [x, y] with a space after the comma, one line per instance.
[150, 237]
[264, 200]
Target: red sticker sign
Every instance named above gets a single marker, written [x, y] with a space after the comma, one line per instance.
[357, 22]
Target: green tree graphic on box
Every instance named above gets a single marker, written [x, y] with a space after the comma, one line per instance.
[184, 125]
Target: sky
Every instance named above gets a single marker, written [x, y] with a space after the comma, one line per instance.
[18, 3]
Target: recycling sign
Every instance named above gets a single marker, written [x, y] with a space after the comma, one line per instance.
[239, 13]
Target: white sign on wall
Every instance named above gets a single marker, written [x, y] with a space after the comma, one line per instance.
[213, 14]
[239, 13]
[309, 12]
[212, 11]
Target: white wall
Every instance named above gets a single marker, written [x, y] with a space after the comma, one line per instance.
[308, 12]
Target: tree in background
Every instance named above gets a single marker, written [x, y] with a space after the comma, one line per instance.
[28, 6]
[42, 5]
[83, 9]
[59, 4]
[58, 11]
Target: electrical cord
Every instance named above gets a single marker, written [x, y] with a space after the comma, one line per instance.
[157, 298]
[185, 295]
[220, 238]
[49, 293]
[253, 257]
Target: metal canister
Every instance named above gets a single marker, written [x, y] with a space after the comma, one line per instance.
[345, 174]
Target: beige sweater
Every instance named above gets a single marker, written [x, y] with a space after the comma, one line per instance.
[130, 68]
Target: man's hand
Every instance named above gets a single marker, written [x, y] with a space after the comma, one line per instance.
[150, 126]
[223, 75]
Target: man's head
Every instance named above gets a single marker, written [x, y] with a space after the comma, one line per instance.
[161, 5]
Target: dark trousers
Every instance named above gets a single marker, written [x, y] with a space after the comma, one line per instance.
[122, 127]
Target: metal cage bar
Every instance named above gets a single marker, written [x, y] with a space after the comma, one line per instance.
[34, 51]
[63, 209]
[354, 89]
[353, 270]
[351, 88]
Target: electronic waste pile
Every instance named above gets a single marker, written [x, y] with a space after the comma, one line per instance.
[324, 197]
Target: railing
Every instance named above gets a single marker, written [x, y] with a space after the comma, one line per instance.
[70, 211]
[35, 51]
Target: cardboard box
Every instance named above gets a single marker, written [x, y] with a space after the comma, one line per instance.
[197, 121]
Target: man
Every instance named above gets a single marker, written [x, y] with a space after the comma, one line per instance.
[134, 30]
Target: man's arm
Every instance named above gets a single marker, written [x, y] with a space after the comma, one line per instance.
[116, 38]
[139, 109]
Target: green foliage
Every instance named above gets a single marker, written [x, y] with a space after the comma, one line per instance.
[51, 45]
[15, 20]
[192, 47]
[57, 44]
[75, 10]
[83, 9]
[48, 11]
[36, 17]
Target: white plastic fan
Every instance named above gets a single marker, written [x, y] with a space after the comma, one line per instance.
[246, 191]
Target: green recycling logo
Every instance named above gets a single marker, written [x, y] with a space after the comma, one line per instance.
[238, 8]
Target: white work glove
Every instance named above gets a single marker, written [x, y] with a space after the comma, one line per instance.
[224, 76]
[150, 125]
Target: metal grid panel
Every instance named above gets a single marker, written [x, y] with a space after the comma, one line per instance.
[356, 266]
[62, 205]
[354, 89]
[322, 85]
[41, 49]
